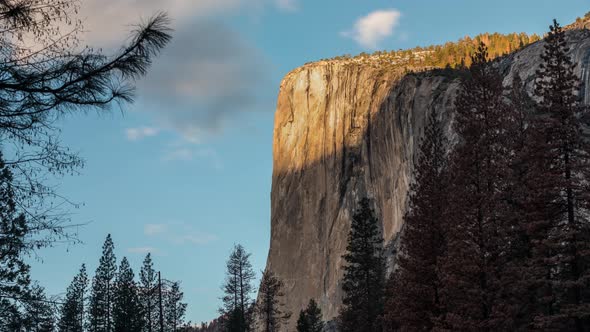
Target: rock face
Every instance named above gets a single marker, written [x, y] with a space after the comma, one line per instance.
[345, 130]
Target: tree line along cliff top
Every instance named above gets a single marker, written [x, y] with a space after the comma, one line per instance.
[451, 54]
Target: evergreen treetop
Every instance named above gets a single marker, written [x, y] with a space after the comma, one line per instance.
[364, 273]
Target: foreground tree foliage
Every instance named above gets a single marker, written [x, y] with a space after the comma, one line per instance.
[46, 74]
[15, 280]
[364, 273]
[414, 290]
[563, 241]
[237, 289]
[515, 219]
[310, 319]
[269, 309]
[476, 206]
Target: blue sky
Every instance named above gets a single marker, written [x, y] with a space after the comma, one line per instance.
[185, 172]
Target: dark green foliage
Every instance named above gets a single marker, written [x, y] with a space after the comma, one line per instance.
[476, 203]
[269, 308]
[310, 319]
[72, 311]
[451, 54]
[364, 273]
[14, 272]
[516, 222]
[100, 311]
[38, 311]
[174, 308]
[148, 281]
[30, 312]
[561, 240]
[414, 291]
[237, 289]
[23, 305]
[127, 310]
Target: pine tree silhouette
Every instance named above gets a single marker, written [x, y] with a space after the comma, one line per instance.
[414, 299]
[364, 273]
[310, 319]
[100, 310]
[72, 311]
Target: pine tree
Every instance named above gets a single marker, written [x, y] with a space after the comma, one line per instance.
[517, 288]
[127, 311]
[101, 298]
[14, 272]
[562, 241]
[269, 308]
[310, 319]
[414, 291]
[37, 312]
[72, 311]
[364, 273]
[174, 308]
[237, 290]
[148, 280]
[476, 206]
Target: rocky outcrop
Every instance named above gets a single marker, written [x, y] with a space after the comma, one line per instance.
[344, 130]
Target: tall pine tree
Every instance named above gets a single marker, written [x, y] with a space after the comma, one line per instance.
[174, 308]
[414, 298]
[14, 272]
[310, 318]
[269, 309]
[476, 202]
[364, 273]
[100, 311]
[148, 280]
[72, 310]
[562, 242]
[127, 310]
[237, 289]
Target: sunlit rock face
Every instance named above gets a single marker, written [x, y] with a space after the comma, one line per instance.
[344, 130]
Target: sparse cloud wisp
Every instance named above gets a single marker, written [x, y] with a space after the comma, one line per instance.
[287, 5]
[136, 134]
[143, 250]
[370, 30]
[154, 229]
[179, 233]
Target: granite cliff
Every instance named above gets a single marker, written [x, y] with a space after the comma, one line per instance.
[345, 129]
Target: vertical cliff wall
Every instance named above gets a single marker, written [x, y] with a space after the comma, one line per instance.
[344, 130]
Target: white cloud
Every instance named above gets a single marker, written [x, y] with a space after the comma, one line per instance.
[181, 154]
[195, 238]
[154, 229]
[136, 134]
[121, 13]
[186, 152]
[178, 233]
[370, 30]
[207, 74]
[287, 5]
[143, 250]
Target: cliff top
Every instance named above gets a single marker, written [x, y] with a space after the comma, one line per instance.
[451, 54]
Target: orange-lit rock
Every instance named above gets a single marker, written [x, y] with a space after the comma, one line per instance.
[344, 130]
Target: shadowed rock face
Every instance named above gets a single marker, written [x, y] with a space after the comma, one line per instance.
[346, 130]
